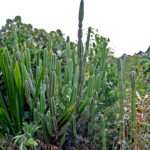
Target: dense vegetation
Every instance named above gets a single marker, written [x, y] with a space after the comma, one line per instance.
[58, 94]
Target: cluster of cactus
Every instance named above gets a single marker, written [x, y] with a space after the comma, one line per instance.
[49, 82]
[69, 92]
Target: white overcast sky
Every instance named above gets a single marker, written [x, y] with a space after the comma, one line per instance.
[125, 22]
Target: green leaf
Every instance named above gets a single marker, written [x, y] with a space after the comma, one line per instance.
[17, 75]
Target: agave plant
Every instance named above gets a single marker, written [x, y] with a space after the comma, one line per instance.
[13, 102]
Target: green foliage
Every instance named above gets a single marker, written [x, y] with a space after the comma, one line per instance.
[26, 139]
[12, 104]
[141, 65]
[54, 88]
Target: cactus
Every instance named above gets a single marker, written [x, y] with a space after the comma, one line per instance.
[103, 134]
[80, 55]
[65, 88]
[133, 108]
[121, 98]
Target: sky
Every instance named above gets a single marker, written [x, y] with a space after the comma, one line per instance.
[125, 22]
